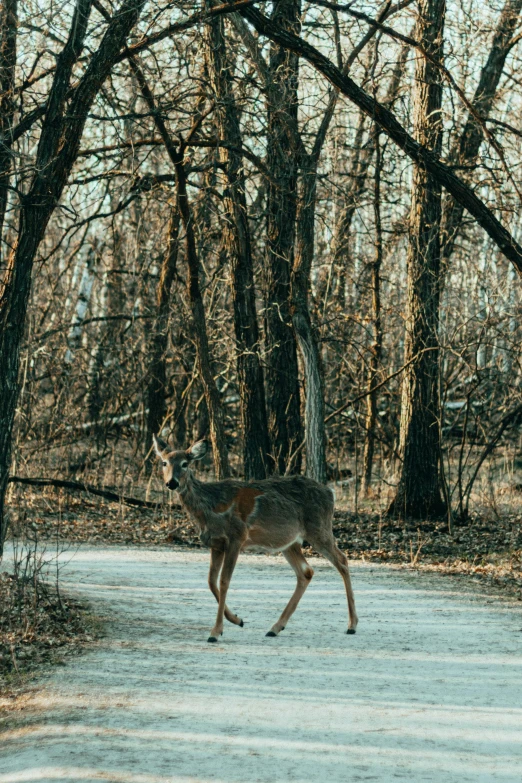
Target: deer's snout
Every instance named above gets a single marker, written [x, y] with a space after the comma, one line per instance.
[172, 484]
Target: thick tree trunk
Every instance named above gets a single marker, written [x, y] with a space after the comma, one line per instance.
[282, 375]
[419, 492]
[315, 432]
[156, 391]
[376, 351]
[8, 29]
[315, 437]
[256, 442]
[59, 144]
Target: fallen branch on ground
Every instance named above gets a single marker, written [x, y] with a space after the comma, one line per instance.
[79, 486]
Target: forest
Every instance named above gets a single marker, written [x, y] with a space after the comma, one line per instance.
[260, 305]
[290, 228]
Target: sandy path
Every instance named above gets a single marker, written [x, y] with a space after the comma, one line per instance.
[429, 689]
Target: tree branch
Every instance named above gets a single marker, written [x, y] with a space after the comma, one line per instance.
[79, 486]
[390, 125]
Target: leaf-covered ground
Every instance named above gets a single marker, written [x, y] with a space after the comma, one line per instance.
[484, 548]
[38, 626]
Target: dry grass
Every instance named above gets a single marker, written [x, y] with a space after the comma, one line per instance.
[38, 624]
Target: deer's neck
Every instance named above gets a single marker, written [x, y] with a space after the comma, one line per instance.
[194, 497]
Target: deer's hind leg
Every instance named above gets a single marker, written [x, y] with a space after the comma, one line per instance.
[216, 561]
[304, 573]
[329, 549]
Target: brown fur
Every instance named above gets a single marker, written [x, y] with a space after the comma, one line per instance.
[276, 514]
[243, 500]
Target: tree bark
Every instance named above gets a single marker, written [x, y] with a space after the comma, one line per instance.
[315, 436]
[282, 373]
[85, 283]
[215, 411]
[254, 424]
[315, 432]
[419, 492]
[376, 351]
[58, 148]
[156, 391]
[8, 30]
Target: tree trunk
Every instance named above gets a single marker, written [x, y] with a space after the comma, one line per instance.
[84, 291]
[315, 433]
[8, 28]
[376, 351]
[315, 437]
[215, 412]
[101, 381]
[282, 375]
[419, 493]
[256, 442]
[58, 148]
[156, 391]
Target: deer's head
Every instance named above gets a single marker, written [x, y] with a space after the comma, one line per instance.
[176, 463]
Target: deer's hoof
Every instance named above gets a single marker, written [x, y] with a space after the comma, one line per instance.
[350, 630]
[271, 633]
[212, 639]
[241, 623]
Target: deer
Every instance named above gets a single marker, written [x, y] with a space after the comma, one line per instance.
[272, 515]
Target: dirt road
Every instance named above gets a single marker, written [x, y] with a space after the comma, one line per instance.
[429, 689]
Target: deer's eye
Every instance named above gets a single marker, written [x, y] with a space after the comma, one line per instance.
[164, 464]
[184, 464]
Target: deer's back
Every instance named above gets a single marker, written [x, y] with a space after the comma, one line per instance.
[309, 502]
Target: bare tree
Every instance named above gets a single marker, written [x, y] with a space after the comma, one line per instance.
[156, 391]
[376, 348]
[282, 376]
[58, 148]
[466, 148]
[256, 442]
[218, 165]
[419, 493]
[176, 155]
[8, 31]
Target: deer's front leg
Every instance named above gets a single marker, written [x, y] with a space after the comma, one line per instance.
[230, 560]
[216, 561]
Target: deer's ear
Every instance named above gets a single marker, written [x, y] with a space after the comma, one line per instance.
[197, 450]
[159, 445]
